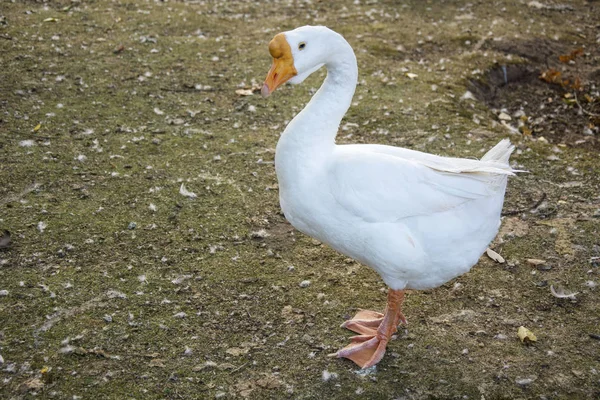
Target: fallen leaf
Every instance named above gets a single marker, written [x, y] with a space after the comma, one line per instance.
[31, 384]
[244, 92]
[526, 335]
[561, 294]
[525, 130]
[571, 56]
[245, 388]
[157, 362]
[535, 262]
[494, 256]
[37, 127]
[225, 366]
[269, 382]
[460, 316]
[576, 84]
[208, 364]
[5, 240]
[51, 20]
[236, 351]
[410, 75]
[101, 353]
[551, 76]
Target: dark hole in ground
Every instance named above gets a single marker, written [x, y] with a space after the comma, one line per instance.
[556, 111]
[499, 79]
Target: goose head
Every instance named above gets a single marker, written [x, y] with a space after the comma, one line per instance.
[297, 54]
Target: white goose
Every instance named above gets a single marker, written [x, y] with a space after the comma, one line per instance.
[417, 219]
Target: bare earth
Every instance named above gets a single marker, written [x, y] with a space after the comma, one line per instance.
[115, 285]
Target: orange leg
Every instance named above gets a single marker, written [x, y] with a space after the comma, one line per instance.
[375, 331]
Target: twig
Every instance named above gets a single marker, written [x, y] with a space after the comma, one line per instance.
[583, 109]
[238, 368]
[179, 90]
[533, 207]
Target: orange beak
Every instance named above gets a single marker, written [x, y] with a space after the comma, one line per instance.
[282, 69]
[280, 72]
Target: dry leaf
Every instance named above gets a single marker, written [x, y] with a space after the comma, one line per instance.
[551, 76]
[225, 366]
[525, 130]
[50, 20]
[571, 56]
[244, 92]
[526, 335]
[31, 385]
[576, 84]
[535, 262]
[410, 75]
[236, 351]
[5, 240]
[561, 294]
[269, 382]
[494, 256]
[37, 127]
[157, 362]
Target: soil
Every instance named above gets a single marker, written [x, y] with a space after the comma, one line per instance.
[117, 283]
[554, 109]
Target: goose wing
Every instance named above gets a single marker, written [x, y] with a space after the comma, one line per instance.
[376, 186]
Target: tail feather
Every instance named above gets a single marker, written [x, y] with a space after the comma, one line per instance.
[500, 152]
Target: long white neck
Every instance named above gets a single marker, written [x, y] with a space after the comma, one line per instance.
[312, 132]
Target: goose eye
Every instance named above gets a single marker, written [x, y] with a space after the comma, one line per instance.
[301, 46]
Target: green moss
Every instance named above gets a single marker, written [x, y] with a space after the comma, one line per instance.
[125, 74]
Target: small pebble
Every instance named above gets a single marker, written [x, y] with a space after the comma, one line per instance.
[304, 284]
[3, 292]
[504, 116]
[524, 381]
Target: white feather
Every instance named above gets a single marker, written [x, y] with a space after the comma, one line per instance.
[418, 219]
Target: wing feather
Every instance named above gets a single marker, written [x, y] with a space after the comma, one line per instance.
[379, 187]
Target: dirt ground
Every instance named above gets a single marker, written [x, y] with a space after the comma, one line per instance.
[115, 285]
